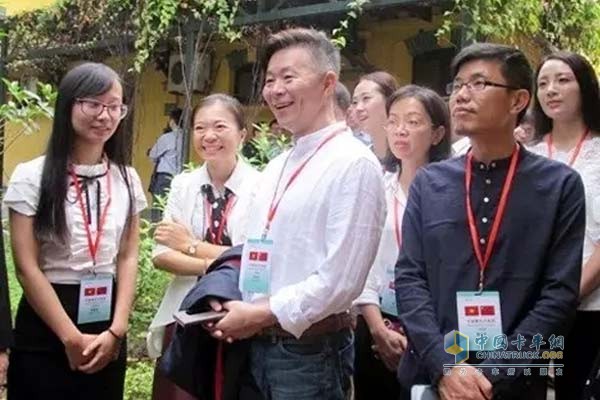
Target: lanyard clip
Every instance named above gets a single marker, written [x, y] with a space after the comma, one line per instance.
[480, 286]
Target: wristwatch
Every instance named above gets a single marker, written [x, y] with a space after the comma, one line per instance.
[191, 250]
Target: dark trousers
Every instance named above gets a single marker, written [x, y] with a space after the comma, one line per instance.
[581, 348]
[39, 368]
[372, 380]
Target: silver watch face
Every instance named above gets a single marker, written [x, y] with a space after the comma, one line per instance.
[192, 249]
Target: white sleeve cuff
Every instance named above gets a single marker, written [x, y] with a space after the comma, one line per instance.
[160, 249]
[288, 314]
[368, 296]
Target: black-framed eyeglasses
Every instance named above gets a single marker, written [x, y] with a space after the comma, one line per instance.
[476, 85]
[93, 108]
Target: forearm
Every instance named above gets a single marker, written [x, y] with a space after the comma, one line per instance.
[372, 315]
[181, 264]
[590, 275]
[209, 251]
[127, 265]
[126, 283]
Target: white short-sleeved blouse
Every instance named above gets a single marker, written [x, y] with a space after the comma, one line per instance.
[587, 164]
[68, 263]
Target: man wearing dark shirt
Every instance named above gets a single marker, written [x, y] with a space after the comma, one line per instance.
[499, 223]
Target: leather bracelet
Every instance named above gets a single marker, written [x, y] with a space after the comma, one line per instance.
[114, 334]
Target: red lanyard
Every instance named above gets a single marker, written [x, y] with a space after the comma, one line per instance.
[397, 221]
[93, 245]
[217, 237]
[508, 181]
[275, 204]
[575, 152]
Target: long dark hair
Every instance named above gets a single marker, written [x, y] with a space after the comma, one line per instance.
[588, 87]
[436, 108]
[85, 80]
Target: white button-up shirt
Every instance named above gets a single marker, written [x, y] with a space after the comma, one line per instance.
[326, 229]
[68, 263]
[387, 253]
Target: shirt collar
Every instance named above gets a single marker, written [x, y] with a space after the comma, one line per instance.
[392, 185]
[90, 170]
[311, 141]
[238, 176]
[235, 181]
[499, 164]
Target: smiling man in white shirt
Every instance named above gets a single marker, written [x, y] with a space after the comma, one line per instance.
[316, 222]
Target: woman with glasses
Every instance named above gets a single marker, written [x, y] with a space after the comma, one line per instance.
[205, 215]
[74, 216]
[566, 111]
[368, 106]
[417, 133]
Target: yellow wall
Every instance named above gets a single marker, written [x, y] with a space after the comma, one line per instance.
[385, 49]
[17, 6]
[22, 146]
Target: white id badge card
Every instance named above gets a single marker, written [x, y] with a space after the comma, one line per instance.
[480, 318]
[95, 297]
[255, 271]
[388, 295]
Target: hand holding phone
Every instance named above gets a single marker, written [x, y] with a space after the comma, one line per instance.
[185, 319]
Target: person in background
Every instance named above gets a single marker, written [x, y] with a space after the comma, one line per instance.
[343, 99]
[352, 122]
[315, 208]
[74, 229]
[525, 131]
[418, 131]
[369, 99]
[498, 256]
[567, 115]
[166, 156]
[205, 215]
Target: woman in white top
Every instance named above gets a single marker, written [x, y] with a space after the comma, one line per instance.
[417, 132]
[74, 232]
[567, 113]
[205, 215]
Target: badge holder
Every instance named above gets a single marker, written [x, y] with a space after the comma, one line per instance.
[255, 270]
[95, 298]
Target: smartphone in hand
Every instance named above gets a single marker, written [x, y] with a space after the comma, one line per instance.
[185, 319]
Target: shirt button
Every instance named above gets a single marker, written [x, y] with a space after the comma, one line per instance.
[484, 220]
[493, 165]
[481, 166]
[488, 181]
[482, 240]
[486, 199]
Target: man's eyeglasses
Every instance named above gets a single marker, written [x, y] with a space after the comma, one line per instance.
[476, 85]
[93, 108]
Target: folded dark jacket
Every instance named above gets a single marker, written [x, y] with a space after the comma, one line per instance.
[191, 357]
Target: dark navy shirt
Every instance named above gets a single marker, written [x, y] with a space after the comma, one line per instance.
[535, 266]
